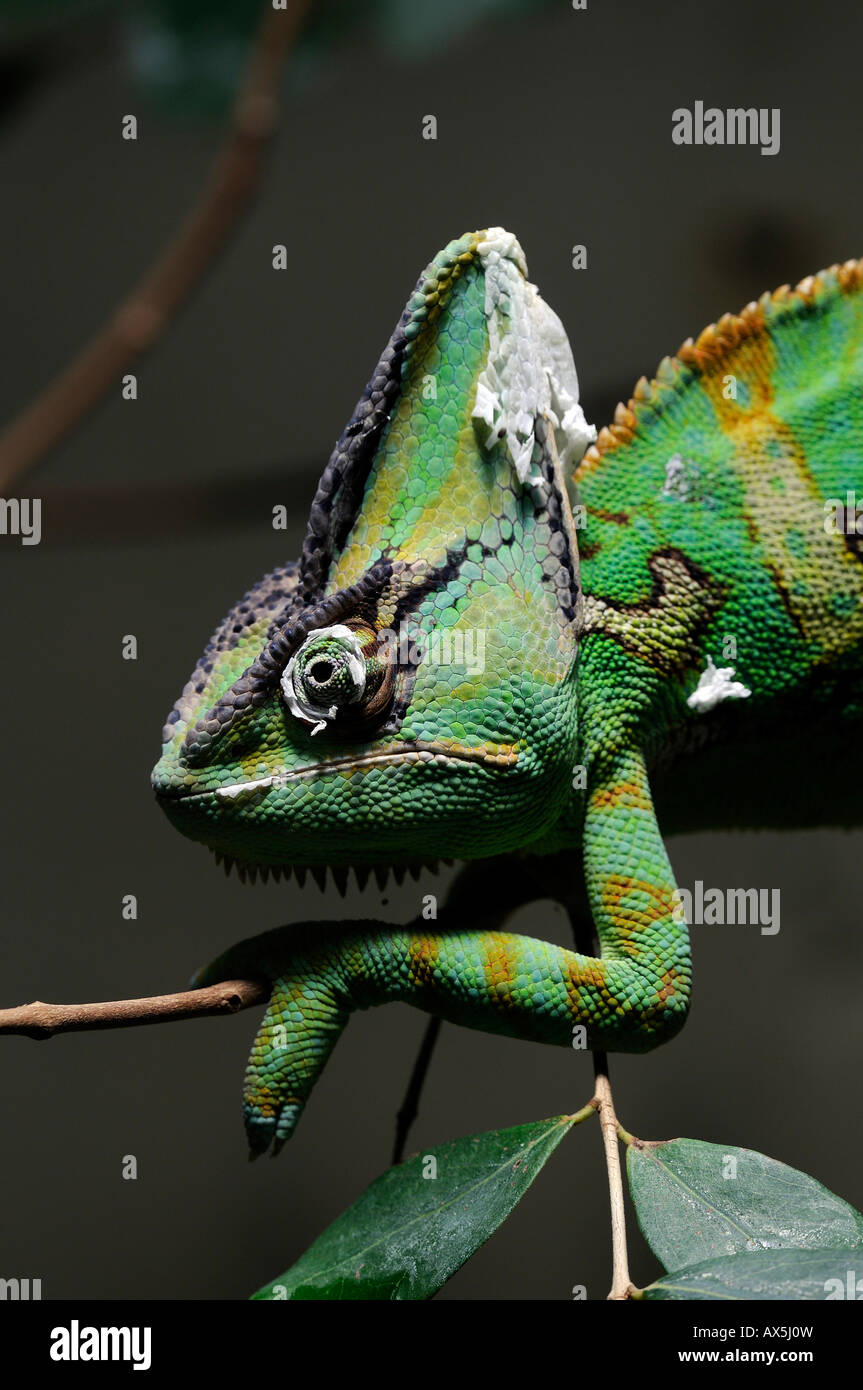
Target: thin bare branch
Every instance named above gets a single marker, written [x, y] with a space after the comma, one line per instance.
[141, 319]
[40, 1021]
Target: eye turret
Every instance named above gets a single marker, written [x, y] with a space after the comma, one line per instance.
[328, 674]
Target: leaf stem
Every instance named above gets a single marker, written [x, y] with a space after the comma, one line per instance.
[604, 1103]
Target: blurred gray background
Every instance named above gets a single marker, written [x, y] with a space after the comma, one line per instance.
[156, 517]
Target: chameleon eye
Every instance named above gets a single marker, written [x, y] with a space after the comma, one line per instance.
[326, 675]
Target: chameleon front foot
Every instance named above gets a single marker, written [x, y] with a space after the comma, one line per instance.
[304, 1018]
[496, 981]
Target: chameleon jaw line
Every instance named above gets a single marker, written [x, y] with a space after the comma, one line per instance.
[434, 755]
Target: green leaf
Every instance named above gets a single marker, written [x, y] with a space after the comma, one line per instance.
[767, 1274]
[690, 1208]
[407, 1233]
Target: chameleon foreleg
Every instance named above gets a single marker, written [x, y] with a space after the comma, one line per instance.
[500, 982]
[631, 889]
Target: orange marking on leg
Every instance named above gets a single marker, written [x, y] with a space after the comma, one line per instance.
[669, 985]
[630, 922]
[633, 795]
[498, 965]
[590, 975]
[423, 959]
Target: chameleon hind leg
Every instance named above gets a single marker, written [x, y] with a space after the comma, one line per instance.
[628, 1000]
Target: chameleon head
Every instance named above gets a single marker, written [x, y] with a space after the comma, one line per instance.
[406, 691]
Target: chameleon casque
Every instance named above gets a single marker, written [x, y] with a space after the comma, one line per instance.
[435, 679]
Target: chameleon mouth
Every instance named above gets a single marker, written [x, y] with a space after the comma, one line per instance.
[501, 756]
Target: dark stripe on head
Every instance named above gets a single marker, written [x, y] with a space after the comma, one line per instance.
[258, 681]
[340, 490]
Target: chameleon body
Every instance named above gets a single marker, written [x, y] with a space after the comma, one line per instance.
[435, 678]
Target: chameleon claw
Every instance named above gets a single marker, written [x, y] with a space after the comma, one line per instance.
[260, 1127]
[268, 1133]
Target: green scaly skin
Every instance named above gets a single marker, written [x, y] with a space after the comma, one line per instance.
[699, 518]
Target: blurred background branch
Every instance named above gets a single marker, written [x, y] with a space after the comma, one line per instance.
[140, 320]
[189, 57]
